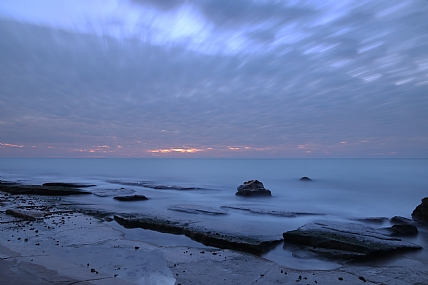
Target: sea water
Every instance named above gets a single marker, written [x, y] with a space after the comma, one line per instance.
[341, 189]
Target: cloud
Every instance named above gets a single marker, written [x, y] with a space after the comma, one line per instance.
[186, 75]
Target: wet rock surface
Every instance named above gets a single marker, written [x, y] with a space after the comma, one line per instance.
[252, 188]
[201, 232]
[26, 214]
[347, 240]
[420, 214]
[67, 245]
[197, 209]
[129, 198]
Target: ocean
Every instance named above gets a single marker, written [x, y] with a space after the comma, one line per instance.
[341, 189]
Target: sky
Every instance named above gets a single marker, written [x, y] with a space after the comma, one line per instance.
[213, 78]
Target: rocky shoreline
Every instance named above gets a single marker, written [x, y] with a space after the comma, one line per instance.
[32, 219]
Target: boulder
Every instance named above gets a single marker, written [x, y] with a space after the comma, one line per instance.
[420, 214]
[131, 198]
[305, 178]
[347, 240]
[252, 188]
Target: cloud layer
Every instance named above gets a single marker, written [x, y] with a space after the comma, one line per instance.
[214, 78]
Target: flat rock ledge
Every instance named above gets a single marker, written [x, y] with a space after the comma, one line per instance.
[45, 190]
[277, 213]
[151, 185]
[348, 241]
[255, 244]
[252, 188]
[197, 209]
[26, 214]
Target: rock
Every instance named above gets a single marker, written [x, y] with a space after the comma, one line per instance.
[403, 230]
[305, 178]
[372, 220]
[347, 240]
[111, 192]
[26, 215]
[397, 220]
[41, 190]
[420, 214]
[277, 213]
[197, 209]
[131, 198]
[151, 185]
[203, 233]
[252, 188]
[66, 184]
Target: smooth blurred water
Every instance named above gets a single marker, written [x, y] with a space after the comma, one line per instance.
[341, 189]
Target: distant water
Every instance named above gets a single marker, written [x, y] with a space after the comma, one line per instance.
[341, 188]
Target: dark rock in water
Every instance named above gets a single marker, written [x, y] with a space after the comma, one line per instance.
[109, 192]
[347, 240]
[8, 183]
[372, 220]
[277, 213]
[252, 188]
[196, 209]
[403, 230]
[41, 190]
[397, 220]
[202, 233]
[305, 178]
[420, 214]
[131, 198]
[151, 185]
[69, 185]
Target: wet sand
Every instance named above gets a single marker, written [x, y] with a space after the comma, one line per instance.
[63, 245]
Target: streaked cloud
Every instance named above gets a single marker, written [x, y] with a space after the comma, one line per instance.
[244, 78]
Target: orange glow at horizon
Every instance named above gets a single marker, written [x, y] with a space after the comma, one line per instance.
[233, 148]
[175, 150]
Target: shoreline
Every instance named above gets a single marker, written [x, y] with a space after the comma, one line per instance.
[57, 248]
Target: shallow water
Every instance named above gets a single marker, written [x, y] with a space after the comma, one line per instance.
[341, 189]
